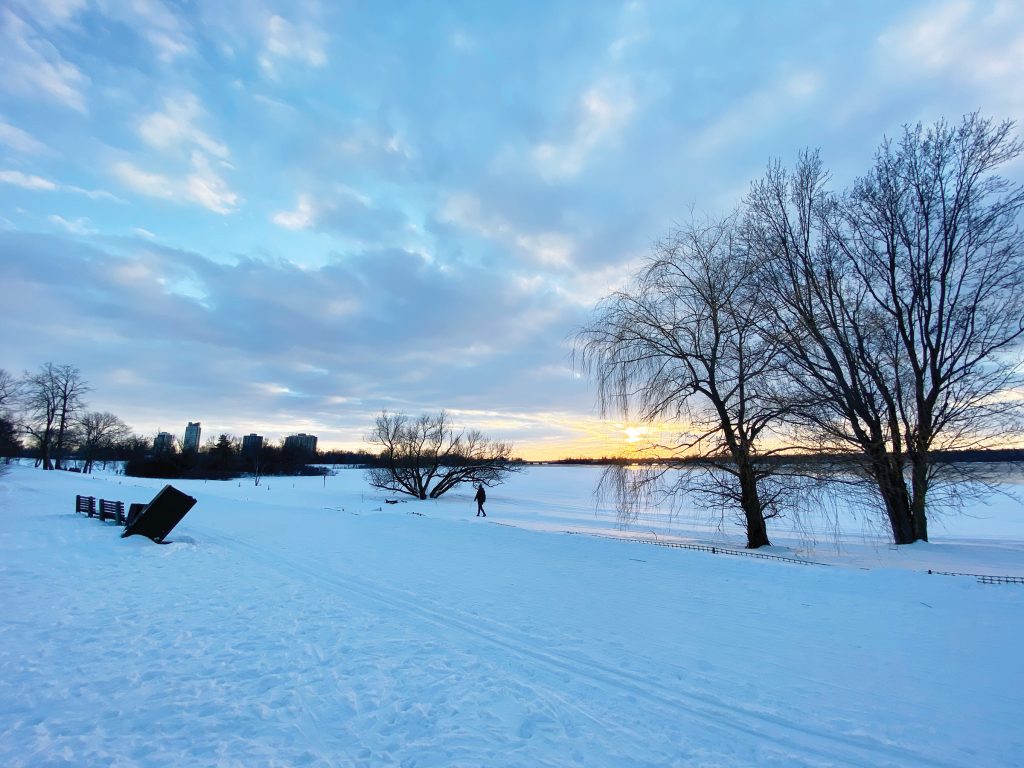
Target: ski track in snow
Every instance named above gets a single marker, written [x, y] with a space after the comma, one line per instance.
[722, 716]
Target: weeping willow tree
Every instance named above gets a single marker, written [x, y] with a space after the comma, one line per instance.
[683, 345]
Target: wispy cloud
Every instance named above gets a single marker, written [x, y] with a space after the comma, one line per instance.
[546, 249]
[33, 67]
[165, 31]
[602, 111]
[203, 185]
[143, 182]
[31, 181]
[347, 212]
[980, 45]
[758, 110]
[175, 133]
[51, 13]
[300, 218]
[21, 141]
[284, 41]
[176, 126]
[77, 226]
[26, 181]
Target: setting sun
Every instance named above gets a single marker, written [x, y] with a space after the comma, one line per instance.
[635, 434]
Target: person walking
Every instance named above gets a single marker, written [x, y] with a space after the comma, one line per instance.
[481, 497]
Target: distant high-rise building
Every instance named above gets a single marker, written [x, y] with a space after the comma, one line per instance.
[301, 443]
[192, 433]
[252, 443]
[163, 442]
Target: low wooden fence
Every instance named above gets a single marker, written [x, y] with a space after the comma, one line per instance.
[716, 550]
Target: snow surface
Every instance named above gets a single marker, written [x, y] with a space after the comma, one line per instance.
[306, 622]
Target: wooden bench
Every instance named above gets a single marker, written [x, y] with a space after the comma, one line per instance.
[112, 510]
[85, 505]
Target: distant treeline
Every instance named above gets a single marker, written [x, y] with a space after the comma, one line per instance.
[225, 460]
[214, 465]
[979, 455]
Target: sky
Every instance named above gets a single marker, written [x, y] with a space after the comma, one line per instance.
[282, 217]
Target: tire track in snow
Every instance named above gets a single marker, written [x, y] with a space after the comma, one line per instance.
[764, 727]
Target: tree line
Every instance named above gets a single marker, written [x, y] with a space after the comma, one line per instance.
[44, 415]
[880, 323]
[47, 410]
[424, 457]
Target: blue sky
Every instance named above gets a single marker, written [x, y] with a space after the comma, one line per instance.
[281, 217]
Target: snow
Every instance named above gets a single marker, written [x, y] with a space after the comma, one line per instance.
[306, 622]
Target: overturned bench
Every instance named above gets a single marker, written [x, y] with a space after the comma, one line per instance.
[158, 518]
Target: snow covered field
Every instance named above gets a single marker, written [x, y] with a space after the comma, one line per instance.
[305, 622]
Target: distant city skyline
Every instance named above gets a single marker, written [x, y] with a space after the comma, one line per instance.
[192, 439]
[287, 217]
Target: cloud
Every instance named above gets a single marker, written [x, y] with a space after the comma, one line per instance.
[603, 110]
[155, 22]
[344, 211]
[301, 218]
[151, 184]
[547, 249]
[26, 181]
[30, 181]
[202, 186]
[758, 110]
[51, 13]
[205, 187]
[32, 67]
[143, 182]
[21, 141]
[287, 41]
[979, 45]
[175, 126]
[174, 132]
[77, 226]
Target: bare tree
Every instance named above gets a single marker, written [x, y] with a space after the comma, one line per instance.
[39, 402]
[427, 456]
[900, 303]
[67, 389]
[10, 389]
[683, 345]
[99, 431]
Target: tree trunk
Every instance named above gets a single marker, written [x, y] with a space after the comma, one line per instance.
[888, 475]
[750, 501]
[919, 483]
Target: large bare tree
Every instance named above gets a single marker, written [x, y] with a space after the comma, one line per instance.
[51, 398]
[682, 346]
[427, 456]
[900, 302]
